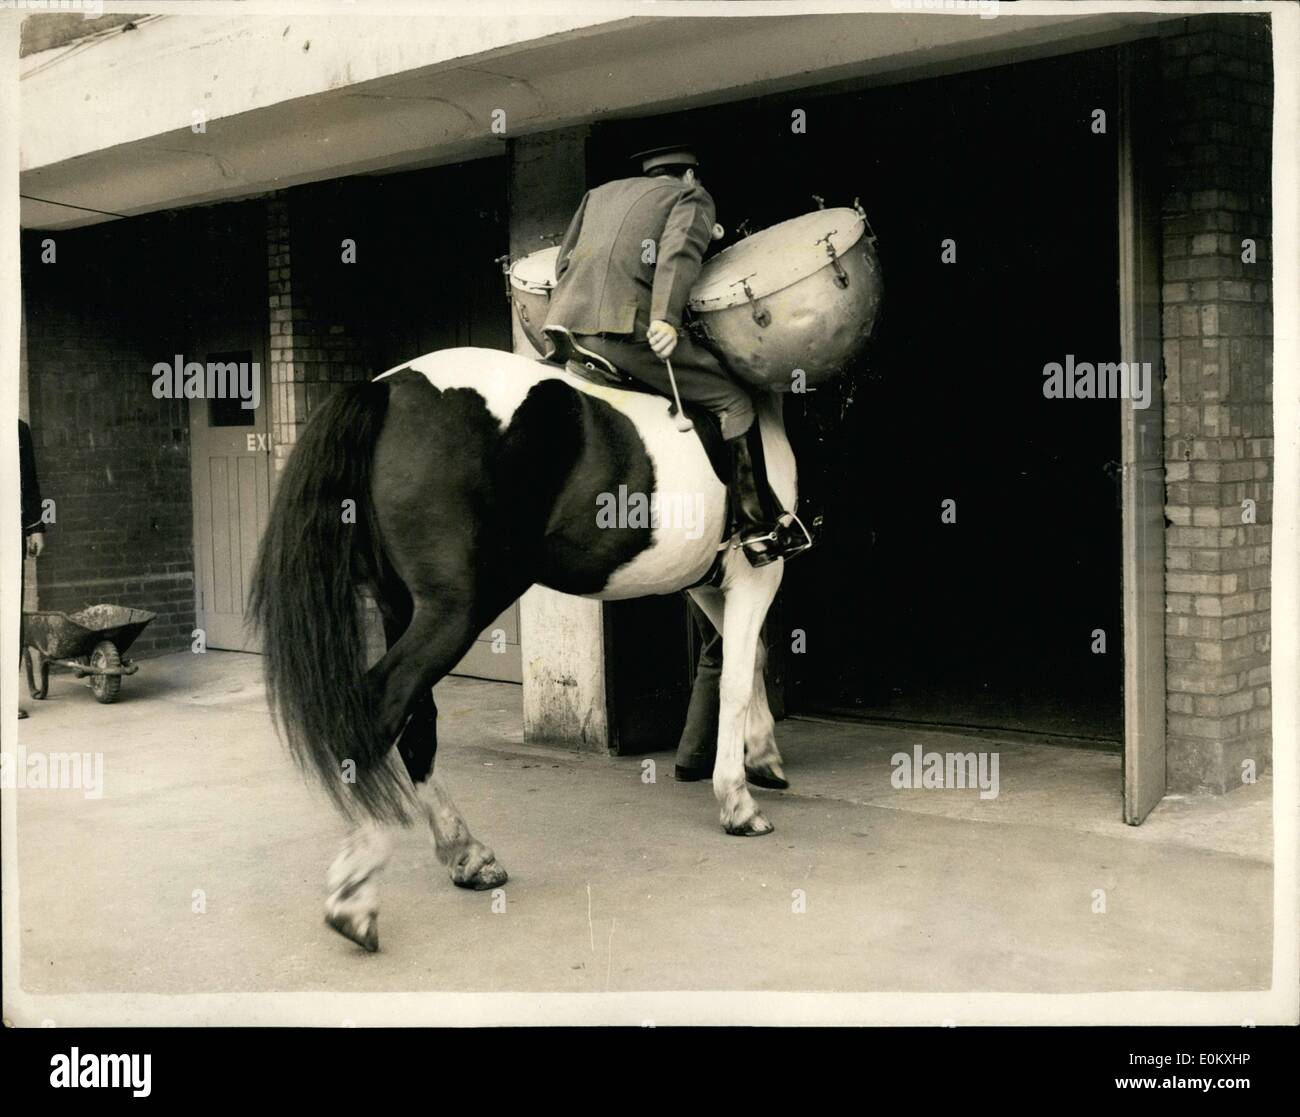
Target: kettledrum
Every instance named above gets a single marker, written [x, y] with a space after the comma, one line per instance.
[800, 295]
[803, 294]
[531, 279]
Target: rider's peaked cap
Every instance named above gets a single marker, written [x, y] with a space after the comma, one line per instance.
[675, 155]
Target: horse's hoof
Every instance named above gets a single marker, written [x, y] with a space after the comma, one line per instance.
[766, 778]
[478, 869]
[364, 932]
[752, 827]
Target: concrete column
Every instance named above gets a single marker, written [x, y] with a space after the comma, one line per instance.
[563, 637]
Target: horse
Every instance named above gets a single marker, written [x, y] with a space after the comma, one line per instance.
[444, 488]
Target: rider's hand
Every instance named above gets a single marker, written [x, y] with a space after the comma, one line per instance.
[662, 338]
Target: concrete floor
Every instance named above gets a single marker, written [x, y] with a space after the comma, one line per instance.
[617, 884]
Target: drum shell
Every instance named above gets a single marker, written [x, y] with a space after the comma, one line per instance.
[815, 324]
[530, 280]
[531, 307]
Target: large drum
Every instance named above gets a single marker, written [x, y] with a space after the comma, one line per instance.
[532, 278]
[801, 295]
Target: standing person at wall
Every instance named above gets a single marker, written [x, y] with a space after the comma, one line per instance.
[33, 526]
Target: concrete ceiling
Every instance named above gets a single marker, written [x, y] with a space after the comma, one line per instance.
[276, 120]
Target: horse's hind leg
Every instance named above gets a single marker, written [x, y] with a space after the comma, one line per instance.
[470, 863]
[352, 908]
[426, 636]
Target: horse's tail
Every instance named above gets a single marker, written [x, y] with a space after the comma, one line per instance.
[321, 544]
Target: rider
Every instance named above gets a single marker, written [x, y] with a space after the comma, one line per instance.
[629, 259]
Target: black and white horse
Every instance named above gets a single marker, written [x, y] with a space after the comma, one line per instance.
[446, 488]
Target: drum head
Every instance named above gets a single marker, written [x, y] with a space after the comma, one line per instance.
[536, 271]
[774, 258]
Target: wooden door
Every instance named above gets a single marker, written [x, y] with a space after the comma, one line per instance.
[1143, 476]
[496, 653]
[230, 462]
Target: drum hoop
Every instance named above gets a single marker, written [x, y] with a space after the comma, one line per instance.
[533, 286]
[736, 293]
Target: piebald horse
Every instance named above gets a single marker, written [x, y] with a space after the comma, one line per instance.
[445, 488]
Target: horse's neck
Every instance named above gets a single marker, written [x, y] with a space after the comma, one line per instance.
[781, 472]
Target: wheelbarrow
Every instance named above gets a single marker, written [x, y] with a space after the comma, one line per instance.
[92, 642]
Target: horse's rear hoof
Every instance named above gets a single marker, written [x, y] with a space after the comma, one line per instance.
[478, 868]
[364, 933]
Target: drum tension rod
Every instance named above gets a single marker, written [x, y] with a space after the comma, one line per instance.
[504, 261]
[871, 233]
[841, 276]
[761, 316]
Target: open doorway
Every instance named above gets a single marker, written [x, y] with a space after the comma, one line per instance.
[1010, 617]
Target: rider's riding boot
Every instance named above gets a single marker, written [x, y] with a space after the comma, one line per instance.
[750, 499]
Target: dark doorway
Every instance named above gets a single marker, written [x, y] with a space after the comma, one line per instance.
[425, 275]
[988, 621]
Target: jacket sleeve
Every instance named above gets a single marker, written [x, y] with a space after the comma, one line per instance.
[681, 254]
[570, 241]
[31, 488]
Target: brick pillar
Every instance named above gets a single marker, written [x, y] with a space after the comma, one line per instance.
[1216, 75]
[311, 352]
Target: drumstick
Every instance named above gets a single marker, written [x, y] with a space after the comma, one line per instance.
[683, 423]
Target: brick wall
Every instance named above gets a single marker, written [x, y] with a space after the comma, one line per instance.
[114, 459]
[1216, 77]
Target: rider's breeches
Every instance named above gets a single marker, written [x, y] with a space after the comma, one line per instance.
[700, 376]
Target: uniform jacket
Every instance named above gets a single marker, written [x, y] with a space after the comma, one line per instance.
[606, 284]
[31, 487]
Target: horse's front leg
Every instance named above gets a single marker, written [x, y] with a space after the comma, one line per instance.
[748, 592]
[763, 765]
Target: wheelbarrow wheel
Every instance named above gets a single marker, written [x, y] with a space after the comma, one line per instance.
[105, 687]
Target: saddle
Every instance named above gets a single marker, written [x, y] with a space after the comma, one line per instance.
[592, 367]
[596, 369]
